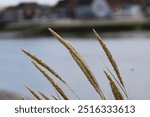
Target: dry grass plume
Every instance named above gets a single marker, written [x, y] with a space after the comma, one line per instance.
[115, 84]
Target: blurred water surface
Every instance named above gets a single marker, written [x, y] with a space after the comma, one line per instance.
[131, 54]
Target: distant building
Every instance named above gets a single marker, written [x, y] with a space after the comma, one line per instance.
[25, 11]
[120, 3]
[81, 8]
[101, 8]
[28, 11]
[60, 10]
[146, 10]
[31, 11]
[130, 8]
[8, 15]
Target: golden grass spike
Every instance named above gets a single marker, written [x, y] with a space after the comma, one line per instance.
[115, 90]
[33, 93]
[58, 37]
[55, 85]
[43, 64]
[116, 79]
[73, 92]
[54, 97]
[122, 88]
[110, 57]
[88, 75]
[43, 95]
[82, 64]
[86, 70]
[117, 94]
[57, 94]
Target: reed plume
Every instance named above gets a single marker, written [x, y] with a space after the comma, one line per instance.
[82, 64]
[115, 88]
[33, 93]
[43, 64]
[110, 57]
[43, 95]
[55, 85]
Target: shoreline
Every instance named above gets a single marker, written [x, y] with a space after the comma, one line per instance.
[73, 27]
[124, 34]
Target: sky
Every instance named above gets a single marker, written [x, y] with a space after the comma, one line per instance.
[4, 3]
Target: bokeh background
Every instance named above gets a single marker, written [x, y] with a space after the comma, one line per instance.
[123, 24]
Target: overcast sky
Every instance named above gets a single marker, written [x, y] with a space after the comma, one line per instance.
[14, 2]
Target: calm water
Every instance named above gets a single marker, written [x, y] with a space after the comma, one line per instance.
[132, 56]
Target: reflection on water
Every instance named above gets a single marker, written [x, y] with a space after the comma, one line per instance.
[132, 56]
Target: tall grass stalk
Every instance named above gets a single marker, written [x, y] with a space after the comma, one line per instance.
[55, 85]
[115, 89]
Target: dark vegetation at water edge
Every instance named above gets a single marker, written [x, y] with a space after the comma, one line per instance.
[81, 29]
